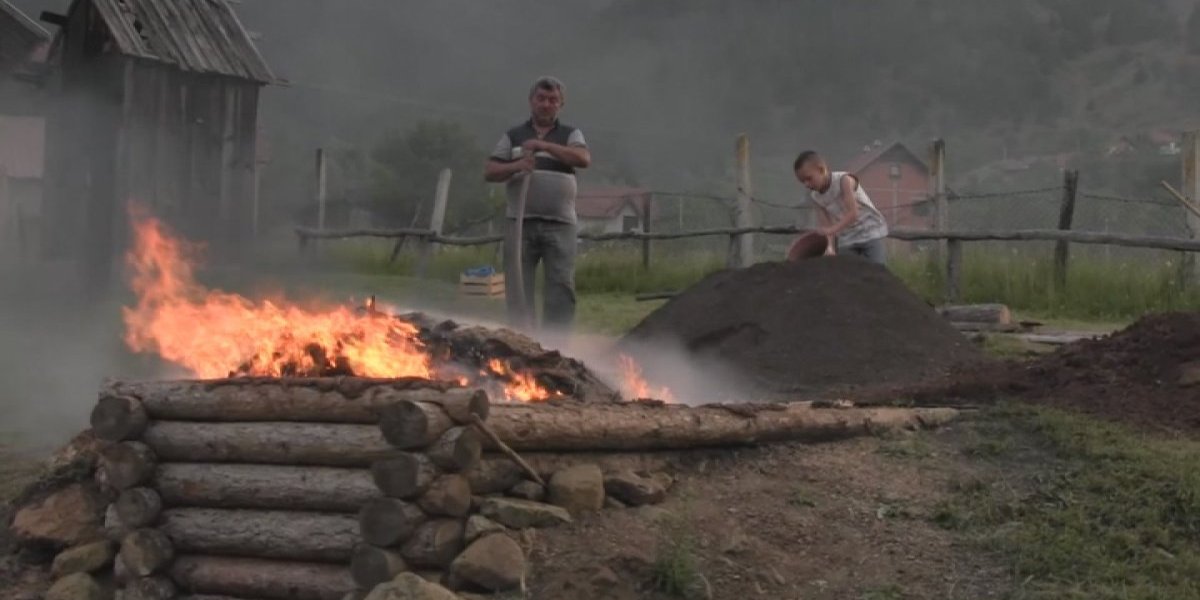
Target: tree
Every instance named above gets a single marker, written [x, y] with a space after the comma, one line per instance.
[405, 167]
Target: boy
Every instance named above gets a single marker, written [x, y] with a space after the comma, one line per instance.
[848, 218]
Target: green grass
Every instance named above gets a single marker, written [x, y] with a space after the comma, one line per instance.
[1100, 293]
[1084, 509]
[676, 565]
[1096, 289]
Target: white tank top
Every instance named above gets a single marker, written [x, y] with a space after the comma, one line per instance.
[869, 225]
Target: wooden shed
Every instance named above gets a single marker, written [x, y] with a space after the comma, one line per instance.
[156, 104]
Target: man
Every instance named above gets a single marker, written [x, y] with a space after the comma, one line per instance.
[549, 152]
[848, 218]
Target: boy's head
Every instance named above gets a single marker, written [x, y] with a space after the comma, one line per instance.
[812, 171]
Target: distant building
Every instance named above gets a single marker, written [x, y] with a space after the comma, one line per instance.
[23, 44]
[612, 209]
[155, 103]
[898, 182]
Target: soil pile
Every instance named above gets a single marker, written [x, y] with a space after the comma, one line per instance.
[809, 325]
[1147, 374]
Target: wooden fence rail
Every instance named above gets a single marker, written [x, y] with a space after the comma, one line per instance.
[953, 240]
[910, 235]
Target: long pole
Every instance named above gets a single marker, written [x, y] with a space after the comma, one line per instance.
[321, 197]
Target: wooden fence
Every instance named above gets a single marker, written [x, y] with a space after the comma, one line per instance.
[741, 246]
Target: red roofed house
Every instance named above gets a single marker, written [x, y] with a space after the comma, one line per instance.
[612, 209]
[897, 181]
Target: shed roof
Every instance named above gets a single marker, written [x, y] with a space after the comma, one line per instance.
[19, 35]
[202, 36]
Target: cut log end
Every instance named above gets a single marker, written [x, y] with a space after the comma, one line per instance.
[409, 425]
[126, 465]
[405, 475]
[457, 450]
[119, 418]
[460, 405]
[146, 552]
[388, 521]
[138, 507]
[371, 566]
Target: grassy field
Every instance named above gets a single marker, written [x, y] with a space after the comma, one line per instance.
[1080, 508]
[1100, 293]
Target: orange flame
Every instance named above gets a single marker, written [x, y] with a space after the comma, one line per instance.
[216, 334]
[634, 385]
[519, 386]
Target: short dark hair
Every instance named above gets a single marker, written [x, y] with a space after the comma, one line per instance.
[549, 84]
[806, 157]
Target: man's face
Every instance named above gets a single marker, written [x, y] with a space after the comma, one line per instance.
[813, 175]
[544, 105]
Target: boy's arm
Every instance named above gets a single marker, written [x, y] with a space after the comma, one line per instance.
[824, 219]
[850, 214]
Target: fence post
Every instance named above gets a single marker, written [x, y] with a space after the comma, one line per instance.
[436, 220]
[937, 172]
[1191, 191]
[953, 270]
[647, 214]
[741, 246]
[321, 198]
[1066, 215]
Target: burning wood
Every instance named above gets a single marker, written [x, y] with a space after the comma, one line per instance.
[217, 334]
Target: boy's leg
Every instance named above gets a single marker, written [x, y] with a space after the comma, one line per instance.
[873, 250]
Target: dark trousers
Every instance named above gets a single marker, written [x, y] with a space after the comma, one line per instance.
[553, 244]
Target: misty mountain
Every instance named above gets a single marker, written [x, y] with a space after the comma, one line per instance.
[662, 87]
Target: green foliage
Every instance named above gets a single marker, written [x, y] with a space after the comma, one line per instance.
[403, 172]
[1106, 512]
[676, 566]
[1097, 289]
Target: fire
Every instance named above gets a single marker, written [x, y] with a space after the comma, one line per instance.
[518, 385]
[215, 334]
[634, 385]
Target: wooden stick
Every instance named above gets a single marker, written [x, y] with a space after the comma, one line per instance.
[1181, 198]
[479, 423]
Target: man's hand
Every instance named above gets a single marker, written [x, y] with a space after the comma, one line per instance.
[525, 164]
[829, 232]
[532, 146]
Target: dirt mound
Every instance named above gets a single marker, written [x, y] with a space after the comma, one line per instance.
[809, 325]
[1147, 374]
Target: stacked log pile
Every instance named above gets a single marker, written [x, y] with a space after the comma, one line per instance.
[310, 489]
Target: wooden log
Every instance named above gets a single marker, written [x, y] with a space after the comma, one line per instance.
[647, 426]
[118, 418]
[295, 535]
[138, 507]
[543, 427]
[410, 425]
[494, 475]
[405, 475]
[261, 578]
[372, 566]
[316, 444]
[126, 465]
[146, 552]
[996, 314]
[457, 450]
[448, 496]
[150, 588]
[210, 485]
[387, 522]
[324, 400]
[434, 544]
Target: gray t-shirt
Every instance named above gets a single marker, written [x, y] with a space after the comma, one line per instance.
[553, 188]
[869, 225]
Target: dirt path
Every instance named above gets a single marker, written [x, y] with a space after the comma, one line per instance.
[846, 520]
